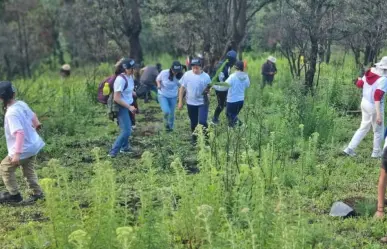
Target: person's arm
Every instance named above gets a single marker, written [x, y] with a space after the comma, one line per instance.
[16, 129]
[360, 83]
[181, 94]
[117, 96]
[158, 81]
[378, 96]
[36, 123]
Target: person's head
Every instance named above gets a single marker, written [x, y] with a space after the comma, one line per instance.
[175, 70]
[231, 57]
[7, 93]
[381, 66]
[128, 66]
[196, 66]
[239, 66]
[271, 60]
[65, 70]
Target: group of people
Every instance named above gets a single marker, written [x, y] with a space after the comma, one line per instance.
[173, 86]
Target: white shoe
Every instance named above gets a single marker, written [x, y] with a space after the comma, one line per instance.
[133, 127]
[349, 152]
[376, 155]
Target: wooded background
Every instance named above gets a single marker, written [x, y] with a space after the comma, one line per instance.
[53, 32]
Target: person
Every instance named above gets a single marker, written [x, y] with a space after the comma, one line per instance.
[195, 83]
[148, 78]
[168, 88]
[23, 144]
[374, 85]
[269, 69]
[238, 82]
[221, 91]
[123, 96]
[65, 71]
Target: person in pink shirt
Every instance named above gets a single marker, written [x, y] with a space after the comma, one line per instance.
[23, 144]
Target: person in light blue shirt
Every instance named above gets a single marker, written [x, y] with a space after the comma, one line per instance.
[168, 89]
[238, 83]
[195, 84]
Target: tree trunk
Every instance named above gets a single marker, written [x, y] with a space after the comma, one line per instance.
[135, 48]
[329, 52]
[369, 55]
[356, 53]
[309, 77]
[26, 49]
[136, 27]
[8, 67]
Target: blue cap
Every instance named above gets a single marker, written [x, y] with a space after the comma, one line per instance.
[128, 63]
[231, 55]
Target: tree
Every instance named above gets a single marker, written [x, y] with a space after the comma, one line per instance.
[120, 20]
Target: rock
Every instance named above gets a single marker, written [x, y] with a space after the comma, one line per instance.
[340, 209]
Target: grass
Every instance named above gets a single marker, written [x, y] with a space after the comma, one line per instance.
[269, 184]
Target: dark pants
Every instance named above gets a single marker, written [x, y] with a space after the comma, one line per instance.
[267, 81]
[198, 115]
[222, 102]
[233, 110]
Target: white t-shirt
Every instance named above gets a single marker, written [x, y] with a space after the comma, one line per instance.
[119, 86]
[169, 89]
[195, 85]
[238, 81]
[19, 117]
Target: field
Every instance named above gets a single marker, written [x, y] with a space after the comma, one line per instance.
[267, 184]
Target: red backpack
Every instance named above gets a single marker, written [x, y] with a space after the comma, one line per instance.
[110, 80]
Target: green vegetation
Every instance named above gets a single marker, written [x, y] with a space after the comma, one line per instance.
[268, 184]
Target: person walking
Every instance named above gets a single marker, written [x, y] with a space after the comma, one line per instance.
[374, 85]
[269, 69]
[195, 84]
[221, 91]
[23, 144]
[123, 96]
[238, 82]
[168, 89]
[148, 79]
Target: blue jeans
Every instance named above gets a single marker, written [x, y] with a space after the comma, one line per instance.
[168, 106]
[122, 141]
[198, 115]
[233, 110]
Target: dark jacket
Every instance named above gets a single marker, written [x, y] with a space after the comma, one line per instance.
[268, 68]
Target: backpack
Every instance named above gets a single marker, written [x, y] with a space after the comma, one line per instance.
[110, 80]
[112, 106]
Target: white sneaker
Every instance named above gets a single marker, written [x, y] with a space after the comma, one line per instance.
[349, 152]
[133, 127]
[376, 154]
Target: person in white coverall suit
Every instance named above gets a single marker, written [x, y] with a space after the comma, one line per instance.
[374, 85]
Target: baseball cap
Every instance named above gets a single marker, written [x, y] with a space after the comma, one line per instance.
[177, 67]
